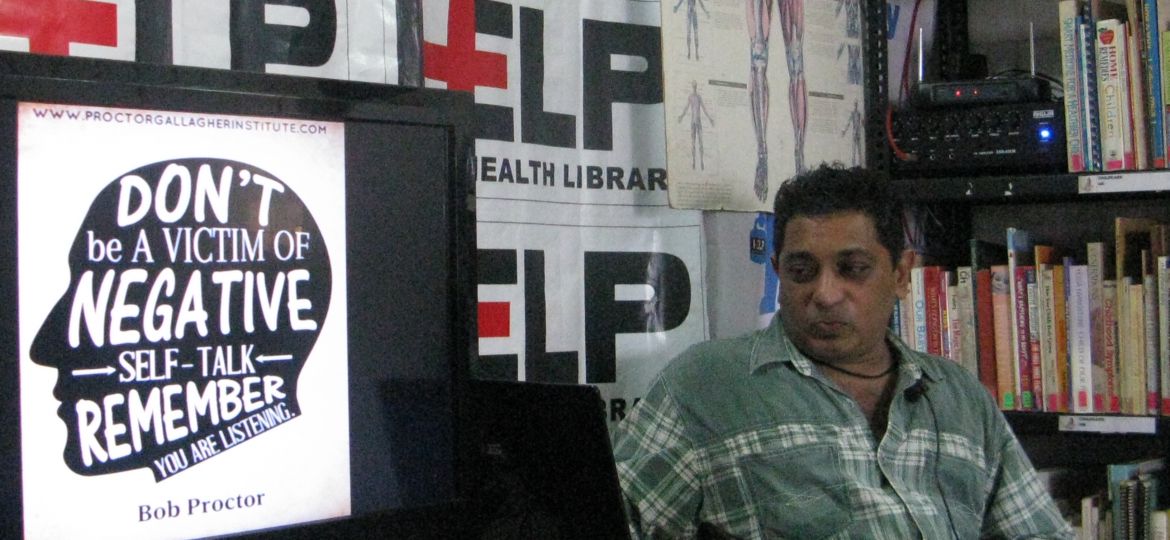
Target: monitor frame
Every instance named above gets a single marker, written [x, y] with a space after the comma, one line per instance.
[106, 83]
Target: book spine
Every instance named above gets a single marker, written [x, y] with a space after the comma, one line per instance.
[1044, 313]
[1023, 341]
[918, 293]
[965, 305]
[1070, 77]
[934, 292]
[1080, 364]
[1150, 343]
[1089, 105]
[1032, 293]
[1109, 336]
[1005, 373]
[1137, 100]
[1095, 262]
[1163, 270]
[1060, 313]
[985, 328]
[1111, 93]
[1153, 79]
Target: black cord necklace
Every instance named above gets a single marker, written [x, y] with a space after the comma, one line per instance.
[889, 370]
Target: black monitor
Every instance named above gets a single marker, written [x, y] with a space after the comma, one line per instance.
[228, 301]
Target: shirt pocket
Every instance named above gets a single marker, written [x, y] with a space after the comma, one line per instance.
[964, 480]
[798, 492]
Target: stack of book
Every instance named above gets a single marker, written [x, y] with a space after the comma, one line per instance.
[1130, 507]
[1081, 329]
[1113, 70]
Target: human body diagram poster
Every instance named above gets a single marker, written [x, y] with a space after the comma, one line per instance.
[757, 91]
[182, 322]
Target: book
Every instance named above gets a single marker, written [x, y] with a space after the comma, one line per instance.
[1137, 100]
[1147, 502]
[1068, 12]
[1162, 268]
[1152, 48]
[1150, 332]
[1079, 353]
[1087, 69]
[934, 297]
[968, 339]
[985, 332]
[1109, 337]
[1119, 473]
[1105, 388]
[1113, 96]
[919, 313]
[1060, 311]
[1005, 368]
[1045, 314]
[983, 255]
[1020, 258]
[1131, 236]
[1035, 362]
[1090, 515]
[1132, 341]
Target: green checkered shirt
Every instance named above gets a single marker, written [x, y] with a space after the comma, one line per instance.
[747, 435]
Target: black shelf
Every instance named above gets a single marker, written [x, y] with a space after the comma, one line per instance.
[998, 189]
[1049, 446]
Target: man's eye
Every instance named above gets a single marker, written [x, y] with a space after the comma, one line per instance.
[855, 270]
[801, 273]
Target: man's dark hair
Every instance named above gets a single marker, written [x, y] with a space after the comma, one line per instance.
[829, 189]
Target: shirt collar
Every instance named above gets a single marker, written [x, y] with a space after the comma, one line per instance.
[772, 346]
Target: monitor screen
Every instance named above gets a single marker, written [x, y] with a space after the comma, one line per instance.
[231, 302]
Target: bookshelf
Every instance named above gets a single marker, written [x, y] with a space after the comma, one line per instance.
[1065, 209]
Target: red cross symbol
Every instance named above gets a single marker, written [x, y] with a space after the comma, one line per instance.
[51, 25]
[494, 319]
[459, 63]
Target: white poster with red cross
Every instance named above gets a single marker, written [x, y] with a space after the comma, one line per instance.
[336, 39]
[586, 275]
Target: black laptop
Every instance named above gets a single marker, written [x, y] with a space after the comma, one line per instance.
[543, 465]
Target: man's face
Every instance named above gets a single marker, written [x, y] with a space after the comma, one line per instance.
[838, 286]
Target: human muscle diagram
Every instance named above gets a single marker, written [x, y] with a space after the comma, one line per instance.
[772, 123]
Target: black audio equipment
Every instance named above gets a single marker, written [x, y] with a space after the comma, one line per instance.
[982, 92]
[986, 139]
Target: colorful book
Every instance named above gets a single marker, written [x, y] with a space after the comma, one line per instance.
[1150, 332]
[918, 296]
[1069, 13]
[1117, 474]
[1020, 257]
[1097, 259]
[1005, 368]
[1153, 78]
[1113, 96]
[1087, 69]
[1046, 316]
[1137, 100]
[1163, 277]
[1036, 377]
[1060, 311]
[1109, 337]
[985, 332]
[983, 255]
[968, 339]
[1079, 354]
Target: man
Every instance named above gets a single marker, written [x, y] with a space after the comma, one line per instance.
[825, 425]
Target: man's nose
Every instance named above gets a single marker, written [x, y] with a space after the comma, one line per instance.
[827, 289]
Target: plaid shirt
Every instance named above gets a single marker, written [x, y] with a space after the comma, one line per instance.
[745, 434]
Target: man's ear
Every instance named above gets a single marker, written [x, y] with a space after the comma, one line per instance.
[902, 272]
[776, 263]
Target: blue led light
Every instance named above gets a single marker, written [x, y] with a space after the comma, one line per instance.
[1045, 134]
